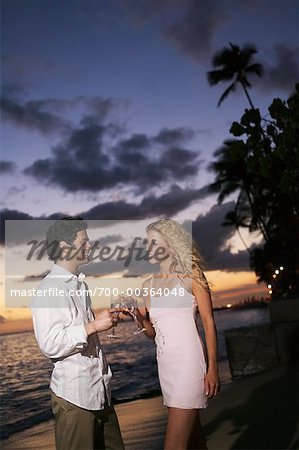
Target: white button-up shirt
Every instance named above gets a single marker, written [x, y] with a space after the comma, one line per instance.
[81, 374]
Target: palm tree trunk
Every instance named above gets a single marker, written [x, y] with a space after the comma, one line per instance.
[250, 102]
[237, 226]
[261, 222]
[247, 95]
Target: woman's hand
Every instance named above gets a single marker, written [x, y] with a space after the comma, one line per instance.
[212, 382]
[139, 316]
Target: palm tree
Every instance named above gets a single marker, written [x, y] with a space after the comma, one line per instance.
[234, 175]
[235, 64]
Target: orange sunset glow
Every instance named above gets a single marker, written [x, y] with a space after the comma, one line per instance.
[227, 287]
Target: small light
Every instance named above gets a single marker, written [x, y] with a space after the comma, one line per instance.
[274, 276]
[270, 292]
[280, 268]
[229, 305]
[269, 286]
[277, 272]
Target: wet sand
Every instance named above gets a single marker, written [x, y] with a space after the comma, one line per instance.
[258, 412]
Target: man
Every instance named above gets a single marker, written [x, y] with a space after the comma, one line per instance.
[66, 330]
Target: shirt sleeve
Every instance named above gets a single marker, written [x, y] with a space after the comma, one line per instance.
[55, 331]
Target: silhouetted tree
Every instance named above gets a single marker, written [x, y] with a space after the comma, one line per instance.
[261, 165]
[233, 63]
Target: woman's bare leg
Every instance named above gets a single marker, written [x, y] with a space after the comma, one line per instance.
[180, 425]
[198, 440]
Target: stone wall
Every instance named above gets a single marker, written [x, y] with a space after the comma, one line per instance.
[284, 316]
[251, 350]
[256, 348]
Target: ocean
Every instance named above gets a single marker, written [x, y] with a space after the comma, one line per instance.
[25, 372]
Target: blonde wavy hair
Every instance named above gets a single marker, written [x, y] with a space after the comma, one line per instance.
[186, 257]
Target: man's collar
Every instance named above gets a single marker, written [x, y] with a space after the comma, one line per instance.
[66, 276]
[81, 277]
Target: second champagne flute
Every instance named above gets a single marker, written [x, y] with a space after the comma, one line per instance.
[115, 302]
[131, 304]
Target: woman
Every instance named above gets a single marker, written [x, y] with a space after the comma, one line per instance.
[173, 298]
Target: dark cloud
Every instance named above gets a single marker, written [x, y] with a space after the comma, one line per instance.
[189, 24]
[211, 236]
[7, 167]
[174, 136]
[166, 205]
[119, 210]
[86, 161]
[284, 73]
[174, 201]
[98, 107]
[193, 33]
[180, 162]
[10, 214]
[207, 230]
[136, 143]
[22, 232]
[41, 115]
[32, 115]
[79, 163]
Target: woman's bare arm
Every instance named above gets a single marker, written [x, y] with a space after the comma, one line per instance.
[204, 302]
[145, 321]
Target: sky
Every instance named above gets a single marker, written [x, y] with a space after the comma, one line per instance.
[107, 113]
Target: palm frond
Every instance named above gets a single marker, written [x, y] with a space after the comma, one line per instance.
[255, 68]
[215, 76]
[227, 91]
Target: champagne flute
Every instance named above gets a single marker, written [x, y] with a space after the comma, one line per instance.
[115, 302]
[130, 304]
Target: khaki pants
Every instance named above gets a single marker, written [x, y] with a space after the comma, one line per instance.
[82, 429]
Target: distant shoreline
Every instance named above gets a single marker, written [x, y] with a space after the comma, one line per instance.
[16, 326]
[242, 306]
[8, 333]
[25, 325]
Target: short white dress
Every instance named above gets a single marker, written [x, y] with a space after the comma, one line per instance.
[180, 353]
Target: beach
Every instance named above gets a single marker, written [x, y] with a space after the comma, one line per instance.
[26, 372]
[257, 412]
